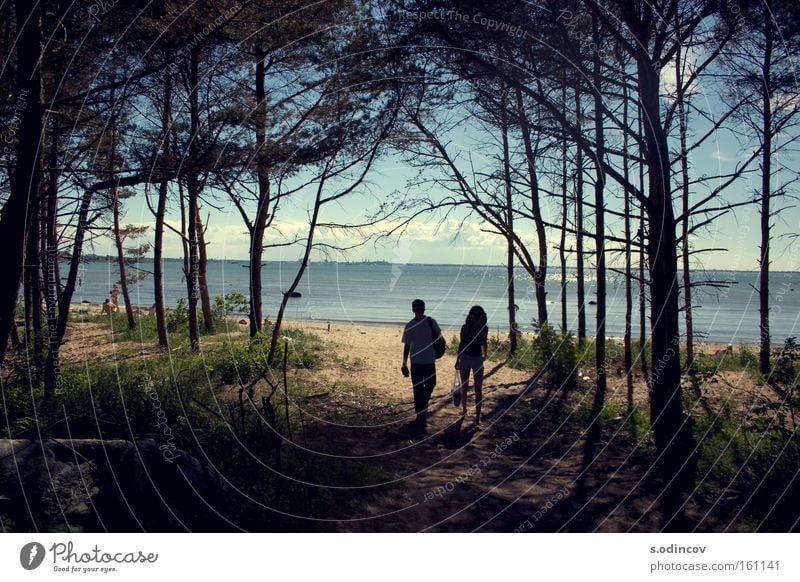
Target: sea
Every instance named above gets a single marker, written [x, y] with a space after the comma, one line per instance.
[372, 293]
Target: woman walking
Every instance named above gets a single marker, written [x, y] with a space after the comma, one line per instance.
[471, 354]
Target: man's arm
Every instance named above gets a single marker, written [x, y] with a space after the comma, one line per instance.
[406, 351]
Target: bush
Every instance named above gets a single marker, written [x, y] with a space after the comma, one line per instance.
[179, 316]
[233, 302]
[556, 353]
[746, 358]
[240, 363]
[452, 345]
[785, 358]
[753, 460]
[553, 352]
[243, 362]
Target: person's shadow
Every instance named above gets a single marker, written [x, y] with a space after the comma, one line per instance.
[456, 436]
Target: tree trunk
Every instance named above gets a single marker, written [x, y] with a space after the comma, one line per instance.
[161, 210]
[33, 292]
[671, 427]
[642, 286]
[766, 194]
[192, 187]
[158, 265]
[72, 275]
[579, 274]
[262, 211]
[599, 237]
[684, 157]
[123, 276]
[562, 251]
[52, 368]
[540, 272]
[184, 229]
[205, 299]
[256, 257]
[627, 356]
[512, 306]
[312, 227]
[286, 294]
[22, 201]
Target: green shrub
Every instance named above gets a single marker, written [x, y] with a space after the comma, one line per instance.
[635, 420]
[233, 302]
[784, 359]
[452, 345]
[556, 353]
[746, 358]
[237, 362]
[752, 459]
[553, 352]
[178, 317]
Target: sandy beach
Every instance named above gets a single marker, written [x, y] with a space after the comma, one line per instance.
[371, 356]
[363, 355]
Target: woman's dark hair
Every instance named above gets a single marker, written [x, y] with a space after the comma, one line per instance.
[479, 310]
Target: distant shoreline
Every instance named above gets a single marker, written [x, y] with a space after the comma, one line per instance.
[321, 325]
[113, 260]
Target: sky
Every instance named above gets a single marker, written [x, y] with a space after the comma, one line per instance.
[461, 240]
[464, 240]
[457, 241]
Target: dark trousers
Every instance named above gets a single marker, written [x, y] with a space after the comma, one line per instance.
[423, 376]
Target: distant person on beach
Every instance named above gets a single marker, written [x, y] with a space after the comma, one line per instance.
[108, 307]
[418, 337]
[115, 295]
[471, 355]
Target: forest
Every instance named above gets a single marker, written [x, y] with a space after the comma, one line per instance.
[585, 135]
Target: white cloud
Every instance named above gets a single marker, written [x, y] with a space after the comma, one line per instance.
[723, 157]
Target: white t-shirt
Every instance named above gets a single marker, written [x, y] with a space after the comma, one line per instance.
[419, 337]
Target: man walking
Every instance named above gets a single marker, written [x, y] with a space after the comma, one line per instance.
[418, 337]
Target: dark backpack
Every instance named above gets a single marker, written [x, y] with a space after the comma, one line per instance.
[439, 345]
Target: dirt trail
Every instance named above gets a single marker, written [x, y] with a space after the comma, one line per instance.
[522, 470]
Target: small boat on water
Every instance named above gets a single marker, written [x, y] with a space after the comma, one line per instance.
[295, 294]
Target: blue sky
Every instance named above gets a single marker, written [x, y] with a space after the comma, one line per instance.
[428, 240]
[455, 241]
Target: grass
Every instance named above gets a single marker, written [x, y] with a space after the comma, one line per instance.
[750, 456]
[562, 355]
[197, 396]
[752, 462]
[146, 331]
[742, 358]
[635, 422]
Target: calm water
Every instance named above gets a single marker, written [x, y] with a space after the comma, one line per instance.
[382, 293]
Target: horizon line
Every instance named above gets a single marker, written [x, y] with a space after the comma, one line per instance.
[97, 258]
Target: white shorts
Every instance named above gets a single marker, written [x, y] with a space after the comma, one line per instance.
[474, 363]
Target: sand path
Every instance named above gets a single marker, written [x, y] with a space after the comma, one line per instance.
[522, 470]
